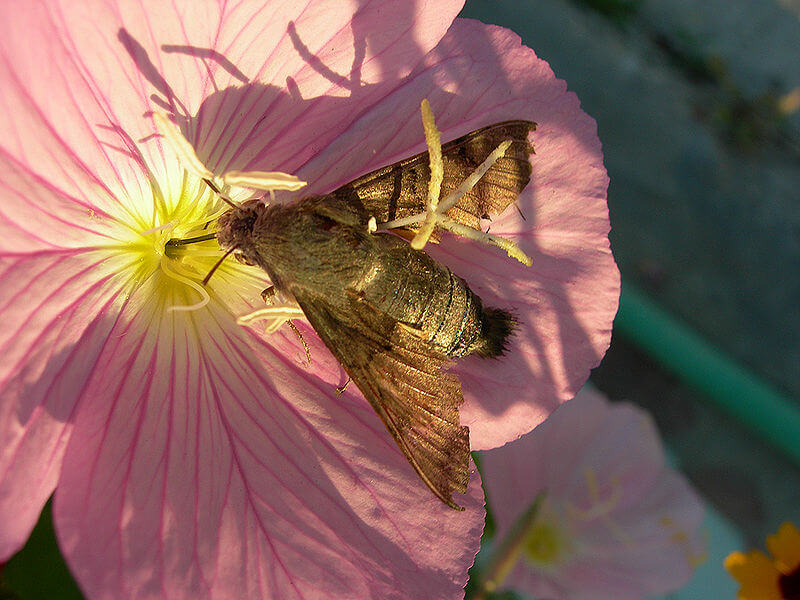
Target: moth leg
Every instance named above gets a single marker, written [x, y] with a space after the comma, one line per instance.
[434, 215]
[268, 294]
[294, 328]
[340, 390]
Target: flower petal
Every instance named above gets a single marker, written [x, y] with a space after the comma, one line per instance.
[221, 70]
[36, 216]
[226, 470]
[566, 302]
[56, 127]
[785, 547]
[56, 310]
[633, 521]
[756, 575]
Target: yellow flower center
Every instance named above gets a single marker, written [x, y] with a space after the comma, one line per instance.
[545, 543]
[174, 272]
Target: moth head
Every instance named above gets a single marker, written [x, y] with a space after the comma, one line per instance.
[235, 230]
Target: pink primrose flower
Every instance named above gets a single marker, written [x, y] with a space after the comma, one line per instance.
[615, 521]
[191, 457]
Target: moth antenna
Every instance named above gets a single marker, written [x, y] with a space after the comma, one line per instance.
[216, 266]
[216, 190]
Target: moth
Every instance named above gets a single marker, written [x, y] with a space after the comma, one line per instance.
[394, 317]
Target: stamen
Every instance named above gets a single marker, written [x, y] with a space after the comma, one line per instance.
[169, 225]
[214, 216]
[404, 222]
[263, 180]
[510, 247]
[452, 199]
[435, 210]
[684, 540]
[434, 142]
[600, 508]
[181, 146]
[192, 284]
[282, 312]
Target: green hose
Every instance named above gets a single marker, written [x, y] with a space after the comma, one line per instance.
[734, 390]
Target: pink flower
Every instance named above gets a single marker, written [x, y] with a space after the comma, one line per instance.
[194, 458]
[615, 522]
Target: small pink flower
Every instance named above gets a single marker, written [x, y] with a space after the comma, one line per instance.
[615, 522]
[194, 458]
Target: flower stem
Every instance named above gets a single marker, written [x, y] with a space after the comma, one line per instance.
[507, 554]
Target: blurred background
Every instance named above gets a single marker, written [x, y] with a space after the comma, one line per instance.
[697, 105]
[698, 108]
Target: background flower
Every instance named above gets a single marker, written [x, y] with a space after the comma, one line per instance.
[616, 522]
[765, 578]
[194, 458]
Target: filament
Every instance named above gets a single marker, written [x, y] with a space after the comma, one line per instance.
[205, 298]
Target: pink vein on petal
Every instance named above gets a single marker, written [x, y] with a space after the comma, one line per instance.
[39, 401]
[312, 430]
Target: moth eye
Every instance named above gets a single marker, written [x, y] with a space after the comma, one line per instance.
[243, 259]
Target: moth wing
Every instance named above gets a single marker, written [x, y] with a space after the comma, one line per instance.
[401, 189]
[401, 376]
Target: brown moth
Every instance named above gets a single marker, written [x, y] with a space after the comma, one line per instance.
[391, 315]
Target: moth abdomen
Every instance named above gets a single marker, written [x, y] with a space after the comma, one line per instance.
[468, 327]
[497, 327]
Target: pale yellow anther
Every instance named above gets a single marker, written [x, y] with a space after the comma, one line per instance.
[434, 142]
[435, 209]
[601, 509]
[281, 313]
[452, 199]
[510, 247]
[181, 146]
[263, 180]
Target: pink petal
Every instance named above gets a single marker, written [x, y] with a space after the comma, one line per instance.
[638, 557]
[101, 67]
[56, 310]
[35, 216]
[228, 471]
[56, 129]
[565, 303]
